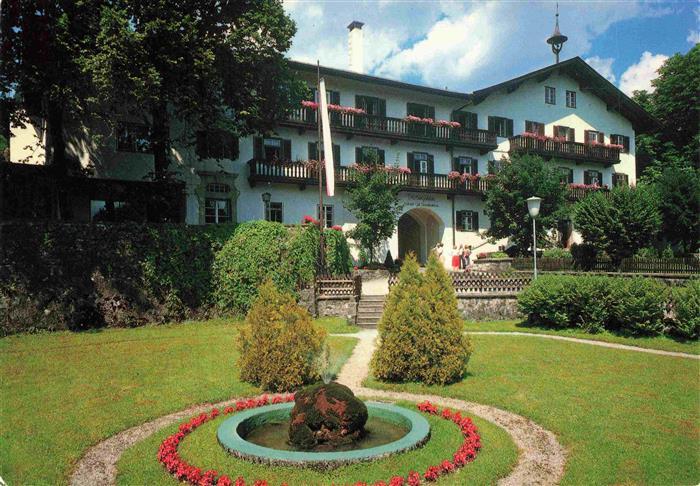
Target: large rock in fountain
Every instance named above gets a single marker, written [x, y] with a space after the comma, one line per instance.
[326, 415]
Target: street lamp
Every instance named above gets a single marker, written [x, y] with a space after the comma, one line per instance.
[266, 197]
[533, 207]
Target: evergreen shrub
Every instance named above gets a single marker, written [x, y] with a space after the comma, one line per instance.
[686, 304]
[279, 344]
[420, 331]
[338, 258]
[302, 252]
[637, 305]
[556, 253]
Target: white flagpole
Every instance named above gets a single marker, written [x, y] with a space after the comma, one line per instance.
[327, 142]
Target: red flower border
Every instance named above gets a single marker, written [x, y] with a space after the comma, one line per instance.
[181, 470]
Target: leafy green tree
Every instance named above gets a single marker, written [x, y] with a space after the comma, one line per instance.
[675, 102]
[506, 204]
[375, 204]
[209, 64]
[679, 203]
[620, 223]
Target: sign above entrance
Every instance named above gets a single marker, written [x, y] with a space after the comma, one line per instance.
[422, 201]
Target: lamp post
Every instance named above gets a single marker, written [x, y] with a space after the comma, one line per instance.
[533, 207]
[266, 197]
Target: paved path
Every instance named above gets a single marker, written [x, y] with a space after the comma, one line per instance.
[375, 286]
[592, 342]
[541, 459]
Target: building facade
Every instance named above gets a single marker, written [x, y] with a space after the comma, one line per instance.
[566, 112]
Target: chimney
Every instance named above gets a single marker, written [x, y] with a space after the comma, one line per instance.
[355, 46]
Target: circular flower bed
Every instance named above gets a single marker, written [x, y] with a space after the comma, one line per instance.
[181, 470]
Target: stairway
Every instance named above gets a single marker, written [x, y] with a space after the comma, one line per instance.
[369, 310]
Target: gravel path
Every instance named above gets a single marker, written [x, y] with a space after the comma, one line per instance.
[593, 342]
[541, 459]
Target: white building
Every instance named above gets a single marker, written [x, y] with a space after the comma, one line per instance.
[255, 178]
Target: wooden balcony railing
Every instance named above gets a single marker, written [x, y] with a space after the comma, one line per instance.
[396, 129]
[302, 174]
[565, 150]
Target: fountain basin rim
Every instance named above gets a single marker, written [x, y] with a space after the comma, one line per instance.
[230, 439]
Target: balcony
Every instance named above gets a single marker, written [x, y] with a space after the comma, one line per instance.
[395, 129]
[302, 175]
[577, 151]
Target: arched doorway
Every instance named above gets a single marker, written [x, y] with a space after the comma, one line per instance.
[419, 230]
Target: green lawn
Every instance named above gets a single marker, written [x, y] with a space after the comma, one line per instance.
[139, 465]
[658, 342]
[625, 417]
[337, 325]
[62, 392]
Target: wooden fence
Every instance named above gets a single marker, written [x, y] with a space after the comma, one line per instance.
[483, 283]
[629, 265]
[339, 286]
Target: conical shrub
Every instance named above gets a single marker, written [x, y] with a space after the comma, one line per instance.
[279, 343]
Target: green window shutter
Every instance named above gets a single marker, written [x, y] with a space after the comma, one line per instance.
[412, 109]
[431, 164]
[474, 166]
[382, 107]
[459, 219]
[586, 177]
[625, 144]
[601, 137]
[509, 127]
[492, 124]
[286, 149]
[381, 157]
[358, 155]
[431, 112]
[335, 97]
[336, 155]
[410, 162]
[455, 163]
[359, 102]
[570, 176]
[258, 152]
[472, 121]
[312, 151]
[571, 135]
[475, 220]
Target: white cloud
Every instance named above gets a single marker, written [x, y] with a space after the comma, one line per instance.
[639, 76]
[603, 66]
[694, 35]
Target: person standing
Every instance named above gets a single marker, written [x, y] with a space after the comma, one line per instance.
[467, 256]
[455, 258]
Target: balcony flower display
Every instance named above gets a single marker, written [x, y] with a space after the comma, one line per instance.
[312, 164]
[591, 187]
[447, 123]
[390, 169]
[342, 109]
[542, 138]
[430, 121]
[615, 146]
[463, 177]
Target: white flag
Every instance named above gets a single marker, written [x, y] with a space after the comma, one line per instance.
[327, 142]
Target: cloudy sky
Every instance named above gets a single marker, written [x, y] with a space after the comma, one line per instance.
[469, 45]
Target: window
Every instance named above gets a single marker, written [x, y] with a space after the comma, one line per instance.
[272, 149]
[327, 215]
[467, 119]
[566, 132]
[571, 99]
[593, 177]
[332, 97]
[621, 140]
[420, 162]
[273, 211]
[550, 95]
[312, 146]
[104, 210]
[494, 166]
[466, 165]
[133, 137]
[369, 155]
[592, 136]
[217, 211]
[621, 180]
[467, 220]
[216, 144]
[422, 111]
[567, 175]
[534, 127]
[503, 127]
[371, 105]
[219, 187]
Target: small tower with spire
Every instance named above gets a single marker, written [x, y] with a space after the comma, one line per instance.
[557, 39]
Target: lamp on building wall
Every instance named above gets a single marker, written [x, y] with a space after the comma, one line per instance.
[533, 207]
[266, 197]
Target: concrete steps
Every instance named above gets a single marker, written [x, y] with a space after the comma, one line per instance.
[369, 310]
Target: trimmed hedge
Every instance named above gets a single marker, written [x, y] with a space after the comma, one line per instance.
[338, 258]
[595, 303]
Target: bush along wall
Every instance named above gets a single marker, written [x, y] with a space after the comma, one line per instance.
[636, 306]
[57, 276]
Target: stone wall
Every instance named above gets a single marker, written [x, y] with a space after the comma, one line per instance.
[497, 265]
[488, 307]
[337, 307]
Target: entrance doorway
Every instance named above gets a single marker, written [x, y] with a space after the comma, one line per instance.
[419, 230]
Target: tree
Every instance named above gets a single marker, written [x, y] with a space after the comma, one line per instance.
[375, 205]
[620, 223]
[675, 102]
[679, 203]
[209, 64]
[506, 204]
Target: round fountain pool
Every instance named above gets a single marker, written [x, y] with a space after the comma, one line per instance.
[260, 435]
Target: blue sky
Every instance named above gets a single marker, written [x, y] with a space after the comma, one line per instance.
[469, 45]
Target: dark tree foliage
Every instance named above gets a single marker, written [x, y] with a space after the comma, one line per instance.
[679, 203]
[506, 204]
